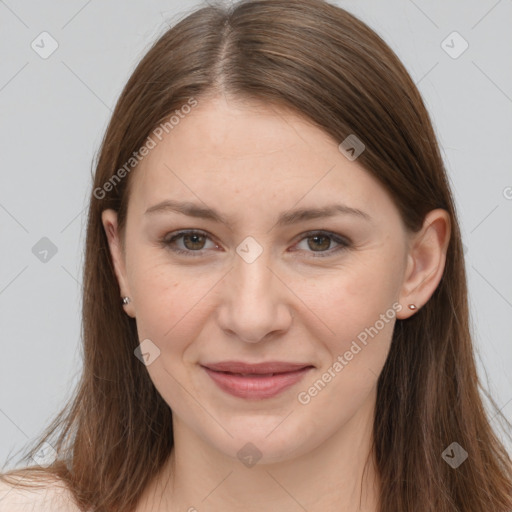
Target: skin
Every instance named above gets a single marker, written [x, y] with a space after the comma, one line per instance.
[252, 162]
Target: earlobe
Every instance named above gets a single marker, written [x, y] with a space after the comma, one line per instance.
[426, 262]
[109, 220]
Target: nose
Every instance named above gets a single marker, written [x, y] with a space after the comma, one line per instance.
[255, 301]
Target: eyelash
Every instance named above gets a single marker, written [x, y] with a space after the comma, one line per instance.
[344, 243]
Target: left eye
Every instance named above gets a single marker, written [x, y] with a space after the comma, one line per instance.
[194, 241]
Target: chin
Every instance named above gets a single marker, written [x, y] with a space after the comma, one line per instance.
[255, 446]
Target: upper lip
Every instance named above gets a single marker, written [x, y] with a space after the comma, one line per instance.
[256, 368]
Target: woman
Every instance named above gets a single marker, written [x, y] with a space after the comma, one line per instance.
[275, 307]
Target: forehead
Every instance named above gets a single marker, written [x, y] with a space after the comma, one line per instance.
[251, 157]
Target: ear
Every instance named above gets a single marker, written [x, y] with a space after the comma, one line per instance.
[425, 261]
[109, 220]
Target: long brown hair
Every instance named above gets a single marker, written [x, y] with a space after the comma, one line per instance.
[115, 434]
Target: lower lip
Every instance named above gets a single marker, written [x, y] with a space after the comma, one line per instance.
[256, 388]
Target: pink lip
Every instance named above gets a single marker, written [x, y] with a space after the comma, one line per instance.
[259, 384]
[266, 367]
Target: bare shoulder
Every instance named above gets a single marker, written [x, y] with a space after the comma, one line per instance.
[48, 496]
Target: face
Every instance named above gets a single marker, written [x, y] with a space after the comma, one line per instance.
[322, 292]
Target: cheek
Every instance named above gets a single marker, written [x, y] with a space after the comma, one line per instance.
[355, 303]
[170, 312]
[169, 301]
[355, 352]
[354, 295]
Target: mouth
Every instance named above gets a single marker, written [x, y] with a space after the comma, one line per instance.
[255, 381]
[264, 368]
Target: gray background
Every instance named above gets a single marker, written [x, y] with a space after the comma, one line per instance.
[53, 113]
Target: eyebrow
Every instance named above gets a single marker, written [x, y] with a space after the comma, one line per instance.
[286, 218]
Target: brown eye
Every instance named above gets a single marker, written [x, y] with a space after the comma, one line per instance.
[320, 243]
[193, 242]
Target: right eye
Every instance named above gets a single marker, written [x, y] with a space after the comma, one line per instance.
[190, 238]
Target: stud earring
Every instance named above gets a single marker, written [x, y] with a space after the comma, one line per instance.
[412, 306]
[126, 300]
